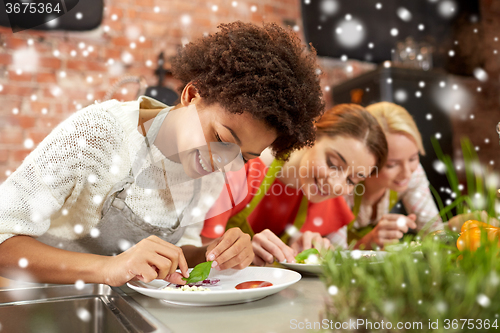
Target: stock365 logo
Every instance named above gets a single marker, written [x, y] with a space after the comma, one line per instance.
[28, 14]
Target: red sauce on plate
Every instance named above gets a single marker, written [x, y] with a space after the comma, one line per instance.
[253, 284]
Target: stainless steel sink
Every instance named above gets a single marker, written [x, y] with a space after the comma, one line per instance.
[66, 309]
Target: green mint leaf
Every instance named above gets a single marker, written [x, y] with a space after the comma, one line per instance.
[199, 273]
[305, 254]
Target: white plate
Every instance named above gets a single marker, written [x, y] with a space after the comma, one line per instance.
[317, 270]
[304, 268]
[224, 292]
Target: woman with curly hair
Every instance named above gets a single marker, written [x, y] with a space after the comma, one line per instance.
[297, 204]
[113, 193]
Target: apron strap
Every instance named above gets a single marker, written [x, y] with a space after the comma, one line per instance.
[393, 199]
[240, 220]
[300, 219]
[264, 187]
[150, 137]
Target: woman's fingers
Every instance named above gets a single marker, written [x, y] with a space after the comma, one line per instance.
[225, 242]
[403, 222]
[296, 246]
[307, 238]
[411, 222]
[162, 266]
[175, 278]
[144, 272]
[399, 224]
[262, 256]
[174, 253]
[258, 261]
[237, 255]
[387, 225]
[268, 246]
[239, 261]
[233, 250]
[314, 239]
[326, 243]
[275, 246]
[149, 259]
[318, 242]
[390, 234]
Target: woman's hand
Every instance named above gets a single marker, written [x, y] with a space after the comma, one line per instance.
[308, 240]
[388, 230]
[267, 246]
[151, 258]
[232, 250]
[455, 223]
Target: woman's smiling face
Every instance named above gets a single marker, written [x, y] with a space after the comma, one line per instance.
[333, 166]
[225, 134]
[402, 161]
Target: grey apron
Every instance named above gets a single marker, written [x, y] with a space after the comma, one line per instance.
[119, 227]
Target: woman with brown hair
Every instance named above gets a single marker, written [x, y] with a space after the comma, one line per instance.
[297, 204]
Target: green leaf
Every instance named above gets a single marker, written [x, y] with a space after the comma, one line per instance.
[305, 254]
[199, 272]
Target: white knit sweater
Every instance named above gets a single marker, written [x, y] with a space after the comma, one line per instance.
[61, 186]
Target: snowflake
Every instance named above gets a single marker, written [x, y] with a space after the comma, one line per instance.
[356, 254]
[94, 233]
[124, 245]
[23, 262]
[404, 14]
[97, 199]
[441, 307]
[83, 314]
[483, 300]
[389, 307]
[219, 229]
[333, 290]
[79, 284]
[480, 74]
[318, 221]
[28, 143]
[78, 228]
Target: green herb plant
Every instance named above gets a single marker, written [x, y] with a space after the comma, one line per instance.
[437, 289]
[481, 185]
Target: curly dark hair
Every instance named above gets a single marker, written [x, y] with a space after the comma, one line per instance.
[265, 71]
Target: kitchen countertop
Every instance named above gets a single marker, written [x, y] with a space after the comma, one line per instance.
[281, 312]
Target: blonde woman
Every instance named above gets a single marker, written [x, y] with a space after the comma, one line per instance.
[402, 178]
